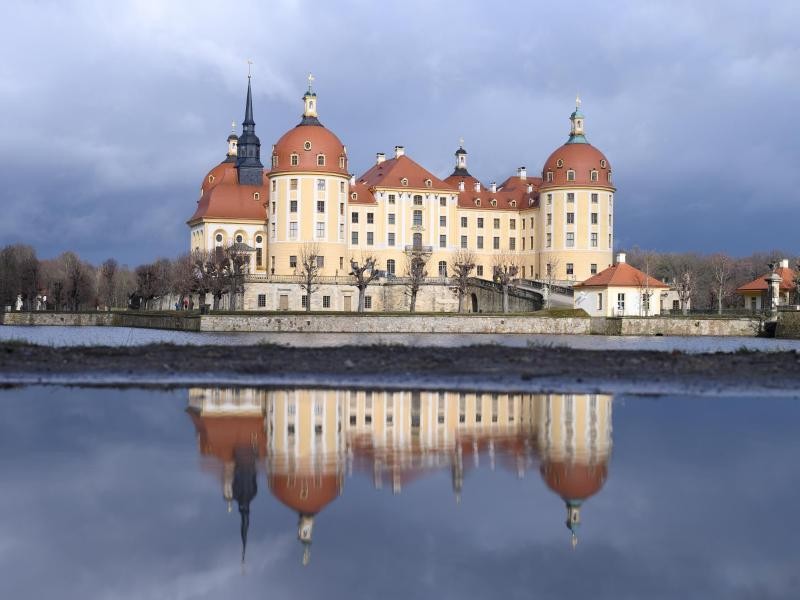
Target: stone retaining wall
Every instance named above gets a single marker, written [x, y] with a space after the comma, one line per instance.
[743, 326]
[54, 318]
[788, 325]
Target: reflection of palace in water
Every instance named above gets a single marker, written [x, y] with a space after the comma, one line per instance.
[307, 440]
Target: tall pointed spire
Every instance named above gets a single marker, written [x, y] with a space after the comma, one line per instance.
[248, 161]
[244, 489]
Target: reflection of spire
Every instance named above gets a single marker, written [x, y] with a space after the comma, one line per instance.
[244, 488]
[305, 530]
[573, 519]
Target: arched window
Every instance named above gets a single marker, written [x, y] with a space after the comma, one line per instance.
[341, 162]
[294, 160]
[609, 177]
[549, 176]
[218, 239]
[404, 182]
[593, 175]
[477, 201]
[307, 145]
[428, 183]
[390, 266]
[320, 160]
[493, 202]
[559, 163]
[259, 239]
[239, 239]
[570, 175]
[603, 164]
[442, 268]
[417, 240]
[256, 196]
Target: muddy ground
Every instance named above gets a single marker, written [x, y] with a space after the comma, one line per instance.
[768, 370]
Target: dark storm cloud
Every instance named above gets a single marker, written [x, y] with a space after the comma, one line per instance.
[113, 112]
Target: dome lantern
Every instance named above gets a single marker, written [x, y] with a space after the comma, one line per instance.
[576, 131]
[310, 105]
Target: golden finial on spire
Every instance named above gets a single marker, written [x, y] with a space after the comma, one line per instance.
[249, 64]
[233, 126]
[577, 102]
[461, 142]
[310, 81]
[574, 540]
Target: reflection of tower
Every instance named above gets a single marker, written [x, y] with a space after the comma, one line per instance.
[229, 425]
[305, 459]
[574, 444]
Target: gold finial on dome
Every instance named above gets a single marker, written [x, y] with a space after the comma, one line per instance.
[577, 101]
[249, 64]
[574, 540]
[310, 100]
[310, 82]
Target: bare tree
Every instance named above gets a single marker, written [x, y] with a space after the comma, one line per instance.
[235, 267]
[463, 264]
[504, 270]
[147, 287]
[77, 281]
[552, 262]
[721, 272]
[183, 276]
[309, 270]
[416, 272]
[364, 272]
[107, 285]
[162, 269]
[20, 274]
[684, 286]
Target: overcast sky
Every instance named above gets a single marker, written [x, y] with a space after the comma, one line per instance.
[111, 113]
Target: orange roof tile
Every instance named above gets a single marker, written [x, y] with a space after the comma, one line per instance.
[788, 277]
[390, 173]
[360, 193]
[223, 198]
[622, 275]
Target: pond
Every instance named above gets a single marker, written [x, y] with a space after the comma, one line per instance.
[129, 336]
[143, 493]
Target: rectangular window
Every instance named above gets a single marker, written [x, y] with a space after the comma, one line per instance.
[531, 242]
[390, 239]
[463, 221]
[303, 300]
[320, 206]
[594, 240]
[320, 232]
[570, 218]
[273, 230]
[549, 240]
[523, 243]
[370, 218]
[594, 198]
[320, 185]
[390, 266]
[341, 187]
[326, 302]
[354, 217]
[496, 243]
[341, 208]
[570, 268]
[292, 262]
[320, 262]
[293, 206]
[609, 240]
[593, 269]
[370, 238]
[570, 239]
[274, 185]
[391, 218]
[442, 221]
[463, 241]
[367, 302]
[621, 303]
[259, 256]
[531, 222]
[292, 230]
[549, 198]
[480, 242]
[570, 196]
[391, 198]
[512, 243]
[442, 241]
[293, 185]
[442, 201]
[479, 270]
[512, 224]
[594, 218]
[480, 222]
[600, 301]
[549, 219]
[417, 200]
[341, 231]
[354, 238]
[497, 223]
[417, 218]
[262, 300]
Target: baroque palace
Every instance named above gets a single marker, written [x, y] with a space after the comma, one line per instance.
[556, 225]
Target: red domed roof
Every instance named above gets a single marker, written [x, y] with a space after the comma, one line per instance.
[223, 198]
[307, 494]
[308, 142]
[582, 158]
[575, 481]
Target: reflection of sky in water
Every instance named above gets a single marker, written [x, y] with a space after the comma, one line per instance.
[105, 495]
[129, 336]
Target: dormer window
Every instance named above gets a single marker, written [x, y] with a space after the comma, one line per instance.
[307, 145]
[603, 164]
[256, 196]
[477, 201]
[341, 162]
[274, 160]
[550, 177]
[210, 179]
[294, 160]
[570, 175]
[320, 160]
[593, 175]
[559, 163]
[353, 195]
[609, 177]
[428, 183]
[513, 203]
[404, 182]
[493, 202]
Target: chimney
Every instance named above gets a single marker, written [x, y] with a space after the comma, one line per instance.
[494, 187]
[352, 179]
[399, 151]
[620, 258]
[477, 186]
[522, 173]
[530, 188]
[379, 158]
[461, 186]
[784, 263]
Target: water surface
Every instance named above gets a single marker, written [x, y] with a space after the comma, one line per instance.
[125, 494]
